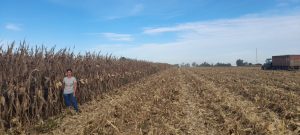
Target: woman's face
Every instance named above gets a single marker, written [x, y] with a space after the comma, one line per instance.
[69, 73]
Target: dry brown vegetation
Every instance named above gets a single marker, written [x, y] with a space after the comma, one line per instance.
[30, 81]
[191, 101]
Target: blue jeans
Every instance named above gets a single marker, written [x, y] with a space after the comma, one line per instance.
[70, 98]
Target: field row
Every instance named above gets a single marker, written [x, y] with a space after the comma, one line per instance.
[190, 101]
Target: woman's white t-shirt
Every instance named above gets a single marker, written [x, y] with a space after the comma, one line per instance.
[69, 85]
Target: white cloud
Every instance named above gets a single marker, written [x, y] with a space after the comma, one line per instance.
[117, 37]
[223, 40]
[13, 27]
[167, 29]
[230, 26]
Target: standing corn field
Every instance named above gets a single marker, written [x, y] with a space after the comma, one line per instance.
[31, 80]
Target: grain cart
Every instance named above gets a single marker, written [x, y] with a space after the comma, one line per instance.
[283, 62]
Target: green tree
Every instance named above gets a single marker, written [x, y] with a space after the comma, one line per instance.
[240, 62]
[205, 64]
[219, 64]
[194, 64]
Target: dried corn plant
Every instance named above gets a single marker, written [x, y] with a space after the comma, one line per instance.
[31, 80]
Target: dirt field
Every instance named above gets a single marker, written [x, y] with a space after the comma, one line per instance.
[191, 101]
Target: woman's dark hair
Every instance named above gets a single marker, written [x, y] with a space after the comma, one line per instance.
[69, 69]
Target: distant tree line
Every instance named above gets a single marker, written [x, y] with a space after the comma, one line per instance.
[239, 63]
[204, 64]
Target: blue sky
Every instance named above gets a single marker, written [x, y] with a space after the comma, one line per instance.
[171, 31]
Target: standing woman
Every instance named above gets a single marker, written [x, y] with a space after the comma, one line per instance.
[70, 85]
